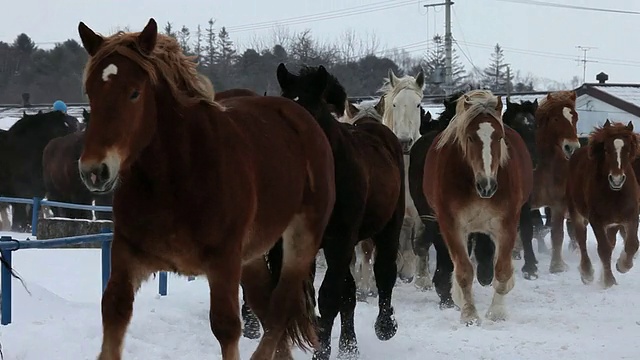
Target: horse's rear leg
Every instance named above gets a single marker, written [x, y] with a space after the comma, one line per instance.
[406, 262]
[348, 345]
[117, 300]
[421, 244]
[539, 231]
[630, 234]
[504, 278]
[444, 265]
[291, 311]
[529, 269]
[557, 264]
[385, 268]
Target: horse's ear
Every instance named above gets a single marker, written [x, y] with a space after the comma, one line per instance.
[420, 79]
[535, 104]
[90, 40]
[499, 105]
[265, 93]
[380, 105]
[393, 80]
[283, 75]
[508, 102]
[148, 36]
[607, 123]
[24, 113]
[39, 112]
[321, 78]
[630, 126]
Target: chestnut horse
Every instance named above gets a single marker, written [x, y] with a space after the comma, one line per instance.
[478, 176]
[556, 141]
[203, 188]
[403, 98]
[369, 204]
[602, 190]
[234, 93]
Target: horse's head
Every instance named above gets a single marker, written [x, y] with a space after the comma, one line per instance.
[39, 127]
[402, 106]
[614, 146]
[427, 123]
[556, 121]
[307, 89]
[127, 77]
[522, 118]
[368, 111]
[479, 131]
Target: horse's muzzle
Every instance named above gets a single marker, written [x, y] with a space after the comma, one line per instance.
[486, 187]
[569, 147]
[616, 181]
[97, 177]
[406, 145]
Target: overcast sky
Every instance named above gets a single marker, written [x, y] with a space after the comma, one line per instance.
[536, 39]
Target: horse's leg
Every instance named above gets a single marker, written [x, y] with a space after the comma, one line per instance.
[421, 244]
[384, 267]
[586, 268]
[291, 307]
[604, 251]
[117, 300]
[504, 277]
[525, 228]
[557, 264]
[444, 265]
[573, 246]
[462, 279]
[539, 231]
[251, 325]
[223, 274]
[357, 270]
[348, 345]
[630, 235]
[367, 268]
[406, 262]
[484, 251]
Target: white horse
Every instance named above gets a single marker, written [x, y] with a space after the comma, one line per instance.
[403, 97]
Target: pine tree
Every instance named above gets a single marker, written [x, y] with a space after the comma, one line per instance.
[226, 50]
[435, 67]
[197, 45]
[495, 75]
[168, 30]
[183, 39]
[211, 48]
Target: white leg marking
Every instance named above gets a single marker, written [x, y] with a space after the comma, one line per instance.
[618, 144]
[567, 114]
[497, 310]
[484, 133]
[108, 71]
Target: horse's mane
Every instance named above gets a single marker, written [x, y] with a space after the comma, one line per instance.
[478, 102]
[554, 101]
[166, 61]
[616, 129]
[367, 111]
[334, 93]
[389, 91]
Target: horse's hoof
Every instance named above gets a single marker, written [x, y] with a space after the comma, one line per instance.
[348, 351]
[473, 321]
[423, 283]
[516, 255]
[447, 304]
[558, 267]
[406, 280]
[322, 354]
[530, 272]
[386, 325]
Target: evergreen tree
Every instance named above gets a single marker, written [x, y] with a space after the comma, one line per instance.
[226, 50]
[183, 38]
[434, 67]
[198, 45]
[168, 30]
[496, 75]
[211, 48]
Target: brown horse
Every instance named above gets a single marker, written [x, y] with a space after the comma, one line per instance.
[602, 190]
[203, 188]
[480, 176]
[556, 140]
[234, 93]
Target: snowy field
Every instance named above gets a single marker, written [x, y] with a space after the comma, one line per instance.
[555, 317]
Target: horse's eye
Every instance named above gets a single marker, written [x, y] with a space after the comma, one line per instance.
[134, 95]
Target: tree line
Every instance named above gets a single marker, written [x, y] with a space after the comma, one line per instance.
[359, 63]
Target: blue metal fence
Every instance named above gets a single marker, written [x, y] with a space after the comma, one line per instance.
[8, 245]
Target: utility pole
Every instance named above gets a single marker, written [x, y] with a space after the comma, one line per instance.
[508, 81]
[448, 42]
[584, 60]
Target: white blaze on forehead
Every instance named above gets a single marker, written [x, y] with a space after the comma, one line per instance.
[108, 71]
[484, 133]
[618, 144]
[567, 114]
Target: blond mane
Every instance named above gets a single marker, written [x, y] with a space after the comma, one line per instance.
[468, 107]
[389, 91]
[167, 61]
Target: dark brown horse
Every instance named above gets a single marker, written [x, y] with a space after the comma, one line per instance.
[369, 204]
[602, 190]
[556, 141]
[62, 180]
[478, 176]
[234, 93]
[203, 188]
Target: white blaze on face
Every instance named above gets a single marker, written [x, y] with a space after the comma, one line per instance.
[618, 144]
[108, 71]
[484, 133]
[567, 114]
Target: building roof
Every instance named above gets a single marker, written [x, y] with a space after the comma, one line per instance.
[625, 97]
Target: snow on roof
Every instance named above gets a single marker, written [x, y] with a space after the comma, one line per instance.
[629, 93]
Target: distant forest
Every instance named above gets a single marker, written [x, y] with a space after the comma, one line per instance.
[359, 63]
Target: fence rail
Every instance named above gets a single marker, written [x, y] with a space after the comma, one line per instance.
[8, 245]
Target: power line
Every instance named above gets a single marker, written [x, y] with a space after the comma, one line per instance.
[584, 60]
[567, 6]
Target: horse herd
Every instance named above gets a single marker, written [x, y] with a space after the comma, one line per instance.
[246, 189]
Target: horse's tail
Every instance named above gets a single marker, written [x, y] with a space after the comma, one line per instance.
[301, 330]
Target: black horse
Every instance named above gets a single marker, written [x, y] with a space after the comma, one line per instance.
[21, 151]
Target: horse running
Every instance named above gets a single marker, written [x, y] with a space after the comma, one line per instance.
[203, 188]
[369, 204]
[403, 97]
[556, 141]
[602, 190]
[479, 179]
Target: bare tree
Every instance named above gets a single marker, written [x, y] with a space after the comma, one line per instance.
[281, 35]
[349, 45]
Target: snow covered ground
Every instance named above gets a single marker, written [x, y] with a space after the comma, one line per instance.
[555, 317]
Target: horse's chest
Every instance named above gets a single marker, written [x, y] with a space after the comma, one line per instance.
[479, 219]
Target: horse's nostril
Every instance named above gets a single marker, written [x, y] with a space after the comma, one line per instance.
[104, 172]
